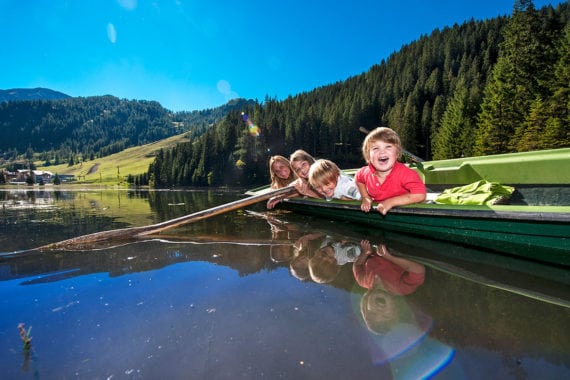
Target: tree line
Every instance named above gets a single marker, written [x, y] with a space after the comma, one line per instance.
[82, 129]
[483, 87]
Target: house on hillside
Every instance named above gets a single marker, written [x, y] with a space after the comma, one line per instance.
[40, 176]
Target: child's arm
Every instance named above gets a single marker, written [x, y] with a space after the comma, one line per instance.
[366, 203]
[367, 250]
[405, 264]
[401, 200]
[305, 189]
[272, 202]
[303, 241]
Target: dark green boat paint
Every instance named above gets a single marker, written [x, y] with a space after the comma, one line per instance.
[540, 233]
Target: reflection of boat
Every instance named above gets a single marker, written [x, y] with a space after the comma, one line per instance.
[535, 225]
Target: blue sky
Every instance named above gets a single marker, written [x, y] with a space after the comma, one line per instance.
[197, 54]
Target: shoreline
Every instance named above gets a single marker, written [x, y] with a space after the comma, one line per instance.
[91, 187]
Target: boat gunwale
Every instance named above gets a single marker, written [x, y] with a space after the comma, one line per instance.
[555, 214]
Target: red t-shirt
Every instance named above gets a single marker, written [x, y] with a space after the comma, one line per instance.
[401, 180]
[395, 279]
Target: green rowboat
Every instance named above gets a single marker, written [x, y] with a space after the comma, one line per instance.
[534, 225]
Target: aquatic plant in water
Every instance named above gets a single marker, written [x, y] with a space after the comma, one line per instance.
[25, 336]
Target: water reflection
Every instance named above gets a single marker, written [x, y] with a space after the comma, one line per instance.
[29, 219]
[384, 276]
[235, 296]
[398, 328]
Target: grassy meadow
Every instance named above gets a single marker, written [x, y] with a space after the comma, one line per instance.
[113, 170]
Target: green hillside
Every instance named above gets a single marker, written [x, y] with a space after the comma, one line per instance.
[113, 169]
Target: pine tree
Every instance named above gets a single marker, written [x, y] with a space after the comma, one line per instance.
[529, 137]
[513, 85]
[558, 129]
[448, 140]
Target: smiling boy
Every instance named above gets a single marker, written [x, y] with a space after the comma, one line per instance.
[384, 179]
[326, 177]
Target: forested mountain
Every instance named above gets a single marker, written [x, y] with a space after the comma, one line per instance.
[15, 94]
[85, 128]
[483, 87]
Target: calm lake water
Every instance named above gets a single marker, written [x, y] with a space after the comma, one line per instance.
[233, 297]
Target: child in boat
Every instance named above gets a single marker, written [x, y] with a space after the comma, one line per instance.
[281, 175]
[384, 179]
[301, 162]
[280, 172]
[327, 179]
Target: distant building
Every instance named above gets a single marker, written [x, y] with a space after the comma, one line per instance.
[39, 175]
[66, 177]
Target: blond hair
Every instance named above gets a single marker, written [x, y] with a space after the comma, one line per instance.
[385, 134]
[322, 271]
[301, 155]
[299, 267]
[276, 182]
[323, 171]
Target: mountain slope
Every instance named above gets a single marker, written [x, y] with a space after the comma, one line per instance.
[85, 128]
[16, 94]
[114, 168]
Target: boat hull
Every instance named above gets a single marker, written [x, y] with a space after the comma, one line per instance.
[540, 233]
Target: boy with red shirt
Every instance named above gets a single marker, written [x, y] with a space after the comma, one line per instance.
[384, 179]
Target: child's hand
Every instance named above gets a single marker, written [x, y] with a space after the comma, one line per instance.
[366, 204]
[366, 247]
[301, 187]
[382, 250]
[302, 242]
[384, 207]
[272, 202]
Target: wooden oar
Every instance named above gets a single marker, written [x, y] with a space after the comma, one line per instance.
[98, 239]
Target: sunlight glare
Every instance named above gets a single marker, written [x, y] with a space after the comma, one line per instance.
[129, 5]
[111, 33]
[224, 86]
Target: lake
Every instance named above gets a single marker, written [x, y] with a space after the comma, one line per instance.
[262, 294]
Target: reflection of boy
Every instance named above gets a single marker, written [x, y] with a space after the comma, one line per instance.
[344, 251]
[323, 266]
[299, 267]
[379, 269]
[384, 276]
[399, 331]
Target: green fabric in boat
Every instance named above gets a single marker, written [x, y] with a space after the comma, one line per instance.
[477, 193]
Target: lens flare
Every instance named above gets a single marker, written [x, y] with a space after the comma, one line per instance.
[252, 128]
